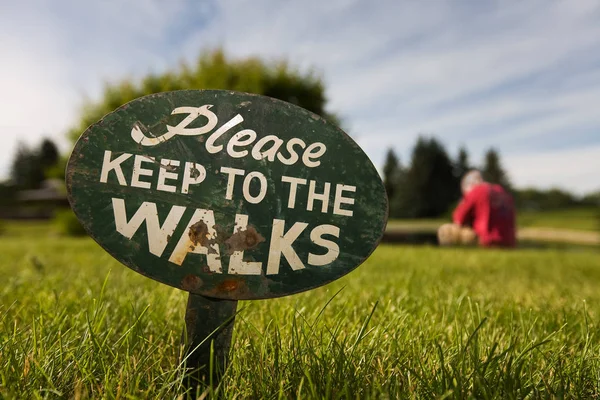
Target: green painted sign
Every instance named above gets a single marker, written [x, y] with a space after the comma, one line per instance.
[227, 195]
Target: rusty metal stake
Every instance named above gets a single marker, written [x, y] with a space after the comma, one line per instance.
[209, 326]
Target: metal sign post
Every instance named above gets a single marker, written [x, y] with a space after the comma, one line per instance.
[208, 329]
[228, 196]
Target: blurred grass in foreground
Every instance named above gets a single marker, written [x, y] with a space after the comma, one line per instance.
[411, 321]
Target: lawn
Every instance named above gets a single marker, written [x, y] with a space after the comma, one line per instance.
[411, 322]
[587, 219]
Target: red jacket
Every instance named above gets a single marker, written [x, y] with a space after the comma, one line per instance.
[492, 213]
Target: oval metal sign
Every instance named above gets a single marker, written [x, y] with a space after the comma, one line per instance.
[226, 194]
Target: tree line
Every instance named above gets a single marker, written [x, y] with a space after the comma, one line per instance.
[31, 166]
[429, 186]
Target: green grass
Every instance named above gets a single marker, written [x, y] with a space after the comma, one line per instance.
[416, 225]
[411, 322]
[587, 219]
[27, 228]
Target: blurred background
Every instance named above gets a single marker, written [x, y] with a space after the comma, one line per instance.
[427, 90]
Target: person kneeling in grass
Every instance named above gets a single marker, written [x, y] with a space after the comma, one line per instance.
[486, 214]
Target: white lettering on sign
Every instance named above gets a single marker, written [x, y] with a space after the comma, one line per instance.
[164, 174]
[113, 165]
[314, 195]
[181, 128]
[200, 237]
[290, 148]
[266, 148]
[322, 197]
[237, 265]
[158, 236]
[210, 143]
[294, 182]
[193, 174]
[237, 140]
[254, 185]
[340, 199]
[231, 172]
[262, 191]
[333, 250]
[312, 153]
[138, 171]
[258, 153]
[281, 243]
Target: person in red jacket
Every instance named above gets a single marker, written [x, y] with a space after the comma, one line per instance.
[485, 214]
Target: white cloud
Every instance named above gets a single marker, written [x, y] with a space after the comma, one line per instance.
[579, 167]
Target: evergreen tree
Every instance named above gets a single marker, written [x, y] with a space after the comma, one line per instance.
[462, 163]
[393, 179]
[48, 154]
[30, 167]
[26, 171]
[461, 167]
[391, 172]
[492, 170]
[430, 185]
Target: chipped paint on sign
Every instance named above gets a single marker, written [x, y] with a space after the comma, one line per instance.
[226, 194]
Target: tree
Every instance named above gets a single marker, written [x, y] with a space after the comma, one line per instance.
[591, 199]
[31, 167]
[48, 154]
[393, 180]
[391, 173]
[462, 163]
[26, 171]
[213, 70]
[57, 171]
[492, 170]
[430, 185]
[461, 167]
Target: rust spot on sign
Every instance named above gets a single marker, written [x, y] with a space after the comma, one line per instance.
[244, 240]
[198, 234]
[194, 172]
[228, 285]
[191, 282]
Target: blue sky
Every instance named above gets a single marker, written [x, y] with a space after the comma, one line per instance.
[523, 77]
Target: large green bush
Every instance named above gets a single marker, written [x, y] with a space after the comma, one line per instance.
[214, 70]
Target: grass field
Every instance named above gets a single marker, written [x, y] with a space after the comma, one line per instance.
[587, 219]
[418, 322]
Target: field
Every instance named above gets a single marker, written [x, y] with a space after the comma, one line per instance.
[412, 322]
[587, 219]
